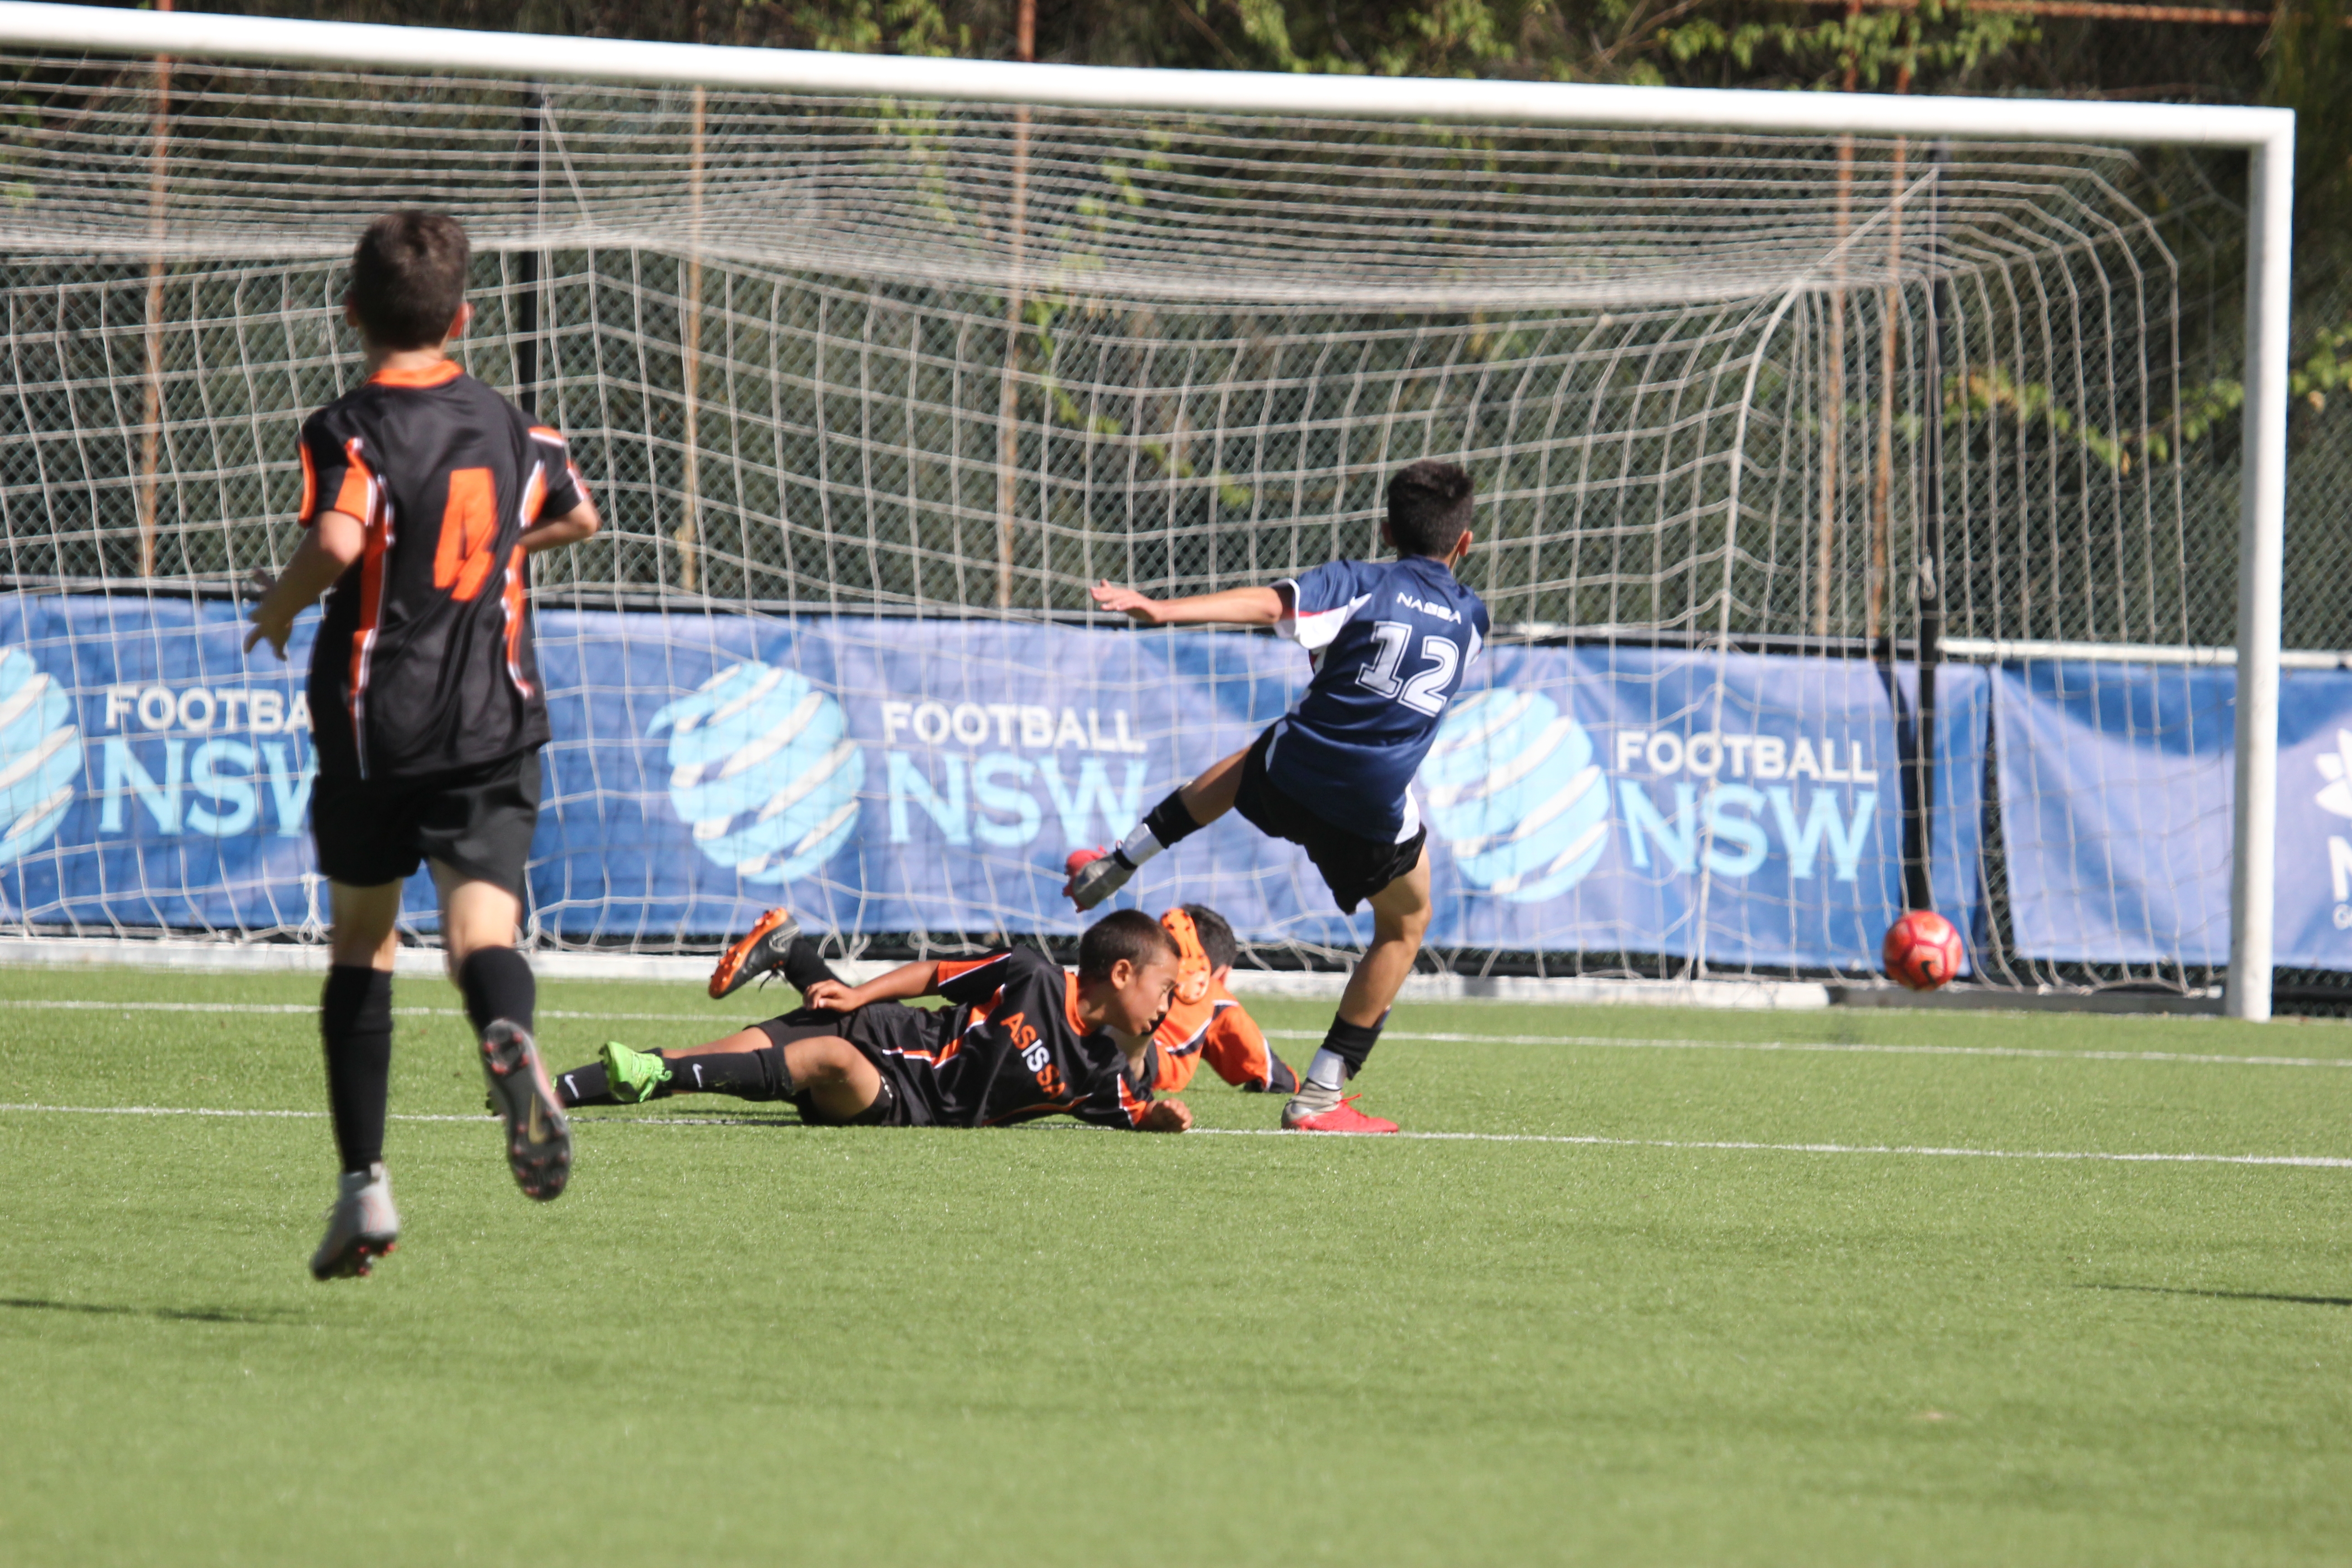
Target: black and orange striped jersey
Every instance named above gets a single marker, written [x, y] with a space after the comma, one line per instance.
[424, 661]
[1012, 1050]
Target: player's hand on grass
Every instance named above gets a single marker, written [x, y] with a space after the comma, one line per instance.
[1167, 1116]
[832, 997]
[1126, 602]
[268, 625]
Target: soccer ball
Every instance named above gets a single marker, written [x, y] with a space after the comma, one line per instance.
[1922, 950]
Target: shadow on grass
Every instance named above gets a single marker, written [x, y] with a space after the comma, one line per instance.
[166, 1314]
[2226, 1295]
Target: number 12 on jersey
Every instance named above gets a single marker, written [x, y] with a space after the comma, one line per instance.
[1425, 691]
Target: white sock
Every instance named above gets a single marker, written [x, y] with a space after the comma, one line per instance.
[1138, 846]
[1328, 1070]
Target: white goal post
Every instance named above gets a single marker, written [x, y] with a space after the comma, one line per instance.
[2266, 136]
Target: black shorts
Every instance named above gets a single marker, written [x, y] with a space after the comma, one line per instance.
[880, 1031]
[1354, 868]
[478, 820]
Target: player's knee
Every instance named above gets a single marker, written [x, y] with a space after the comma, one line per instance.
[362, 949]
[824, 1059]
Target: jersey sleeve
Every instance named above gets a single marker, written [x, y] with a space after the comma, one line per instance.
[1236, 1048]
[336, 476]
[1320, 602]
[1114, 1103]
[565, 489]
[969, 981]
[1178, 1039]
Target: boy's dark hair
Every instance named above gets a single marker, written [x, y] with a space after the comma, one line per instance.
[1217, 936]
[1129, 934]
[1429, 506]
[409, 278]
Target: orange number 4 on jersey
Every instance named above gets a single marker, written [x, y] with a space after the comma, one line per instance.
[469, 526]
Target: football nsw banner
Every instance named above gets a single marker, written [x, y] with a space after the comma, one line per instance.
[886, 775]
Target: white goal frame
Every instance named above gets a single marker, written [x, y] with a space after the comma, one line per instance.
[2266, 135]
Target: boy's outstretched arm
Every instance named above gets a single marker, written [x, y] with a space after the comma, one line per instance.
[1232, 606]
[908, 980]
[328, 549]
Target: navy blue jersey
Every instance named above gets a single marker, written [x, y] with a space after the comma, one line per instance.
[1391, 642]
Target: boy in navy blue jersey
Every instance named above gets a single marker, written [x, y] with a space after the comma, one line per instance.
[1390, 644]
[423, 495]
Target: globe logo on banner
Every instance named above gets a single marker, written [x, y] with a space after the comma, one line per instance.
[2336, 767]
[40, 755]
[762, 772]
[1514, 791]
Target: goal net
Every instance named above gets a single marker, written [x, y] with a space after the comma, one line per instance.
[1825, 485]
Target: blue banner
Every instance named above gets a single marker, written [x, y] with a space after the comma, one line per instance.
[2116, 792]
[909, 775]
[150, 773]
[903, 774]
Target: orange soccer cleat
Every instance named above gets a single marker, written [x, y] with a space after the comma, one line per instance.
[759, 951]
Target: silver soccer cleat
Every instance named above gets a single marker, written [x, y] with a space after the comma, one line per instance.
[538, 1140]
[361, 1227]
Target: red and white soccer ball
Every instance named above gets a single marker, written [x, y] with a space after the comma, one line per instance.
[1922, 950]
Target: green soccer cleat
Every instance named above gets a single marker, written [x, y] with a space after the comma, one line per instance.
[634, 1076]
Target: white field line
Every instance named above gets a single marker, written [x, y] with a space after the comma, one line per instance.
[1636, 1043]
[2316, 1162]
[42, 1003]
[1608, 1042]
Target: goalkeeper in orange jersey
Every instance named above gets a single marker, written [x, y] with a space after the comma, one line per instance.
[1206, 1022]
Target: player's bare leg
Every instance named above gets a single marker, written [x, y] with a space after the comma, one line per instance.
[479, 920]
[1096, 874]
[1401, 914]
[355, 1026]
[833, 1074]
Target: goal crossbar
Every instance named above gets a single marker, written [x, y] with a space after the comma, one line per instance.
[26, 24]
[2265, 135]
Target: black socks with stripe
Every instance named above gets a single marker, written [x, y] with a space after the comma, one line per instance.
[355, 1026]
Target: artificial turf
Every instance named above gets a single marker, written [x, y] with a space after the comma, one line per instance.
[753, 1341]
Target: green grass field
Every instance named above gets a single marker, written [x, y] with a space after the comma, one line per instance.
[739, 1340]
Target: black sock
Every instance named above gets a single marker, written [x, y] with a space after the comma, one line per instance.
[585, 1086]
[355, 1024]
[1351, 1043]
[1279, 1078]
[746, 1075]
[804, 966]
[497, 983]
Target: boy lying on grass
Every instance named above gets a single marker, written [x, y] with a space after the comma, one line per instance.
[1021, 1039]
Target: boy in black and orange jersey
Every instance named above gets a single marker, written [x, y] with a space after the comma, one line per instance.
[1207, 1023]
[1021, 1041]
[423, 494]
